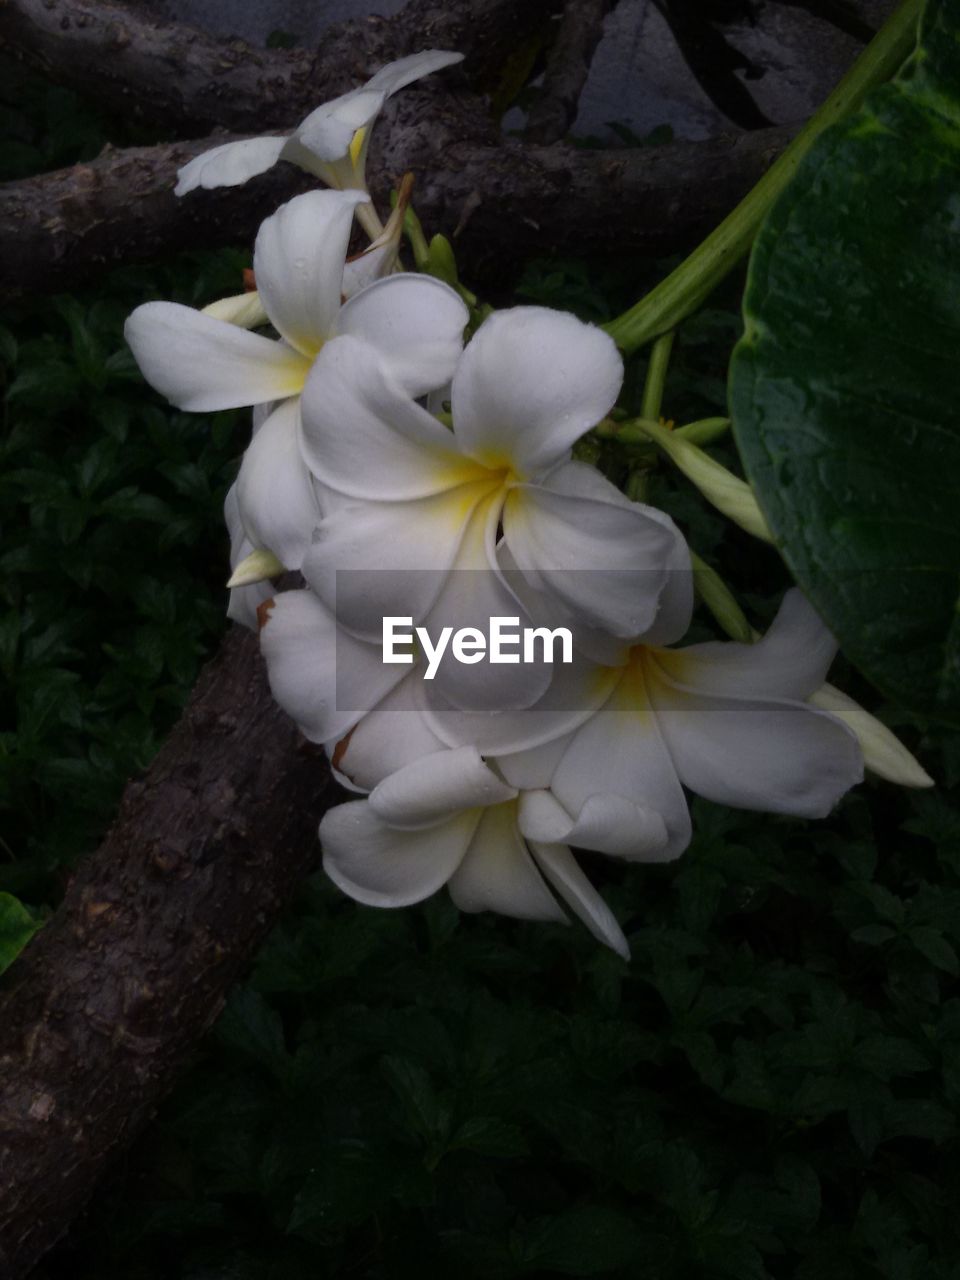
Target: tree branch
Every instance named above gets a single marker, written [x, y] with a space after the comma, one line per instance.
[108, 1000]
[182, 79]
[568, 66]
[506, 201]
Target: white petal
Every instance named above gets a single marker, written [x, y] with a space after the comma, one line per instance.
[620, 752]
[883, 753]
[560, 867]
[322, 678]
[382, 867]
[365, 437]
[244, 601]
[607, 823]
[277, 504]
[374, 560]
[396, 75]
[298, 263]
[201, 364]
[521, 736]
[790, 661]
[602, 560]
[394, 733]
[675, 607]
[433, 788]
[473, 593]
[416, 323]
[328, 131]
[498, 874]
[359, 272]
[243, 309]
[530, 383]
[768, 754]
[230, 164]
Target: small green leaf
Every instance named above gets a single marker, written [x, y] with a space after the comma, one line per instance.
[17, 927]
[931, 943]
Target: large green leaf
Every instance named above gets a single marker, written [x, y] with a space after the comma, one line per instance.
[845, 386]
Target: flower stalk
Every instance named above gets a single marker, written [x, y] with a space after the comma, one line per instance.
[686, 288]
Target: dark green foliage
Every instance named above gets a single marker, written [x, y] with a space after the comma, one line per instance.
[769, 1089]
[111, 562]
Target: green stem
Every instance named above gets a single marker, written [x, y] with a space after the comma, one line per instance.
[683, 291]
[413, 230]
[656, 377]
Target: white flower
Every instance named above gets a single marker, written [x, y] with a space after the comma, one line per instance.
[450, 819]
[331, 143]
[413, 323]
[417, 496]
[729, 721]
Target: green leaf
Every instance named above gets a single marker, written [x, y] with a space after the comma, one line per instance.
[586, 1241]
[489, 1136]
[931, 943]
[844, 388]
[17, 927]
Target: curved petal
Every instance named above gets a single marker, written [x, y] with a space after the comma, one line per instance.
[416, 324]
[230, 164]
[397, 75]
[277, 504]
[374, 560]
[201, 364]
[393, 449]
[790, 661]
[607, 823]
[602, 560]
[560, 868]
[675, 606]
[382, 867]
[373, 264]
[392, 735]
[498, 874]
[620, 752]
[530, 383]
[298, 263]
[243, 601]
[883, 753]
[521, 736]
[435, 787]
[322, 678]
[768, 754]
[328, 131]
[473, 594]
[242, 309]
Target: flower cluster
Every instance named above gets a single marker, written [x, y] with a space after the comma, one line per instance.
[409, 474]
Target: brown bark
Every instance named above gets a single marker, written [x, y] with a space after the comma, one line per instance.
[108, 1000]
[180, 78]
[568, 66]
[505, 201]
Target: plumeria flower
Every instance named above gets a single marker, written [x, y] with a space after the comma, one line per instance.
[731, 722]
[411, 324]
[419, 496]
[331, 143]
[379, 259]
[450, 819]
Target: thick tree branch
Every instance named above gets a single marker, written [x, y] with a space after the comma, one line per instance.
[107, 1002]
[506, 201]
[183, 79]
[568, 66]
